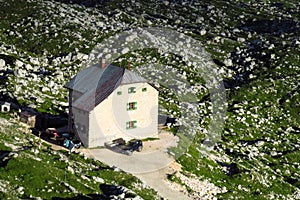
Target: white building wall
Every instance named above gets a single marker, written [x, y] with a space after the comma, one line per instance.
[108, 120]
[100, 123]
[145, 114]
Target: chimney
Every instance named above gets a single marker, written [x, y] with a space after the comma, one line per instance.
[128, 65]
[103, 65]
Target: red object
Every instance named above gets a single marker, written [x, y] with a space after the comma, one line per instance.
[55, 134]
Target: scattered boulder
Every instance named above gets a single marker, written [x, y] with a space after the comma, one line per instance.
[20, 190]
[203, 32]
[51, 84]
[34, 61]
[117, 192]
[20, 72]
[228, 62]
[28, 67]
[19, 63]
[98, 179]
[111, 189]
[2, 63]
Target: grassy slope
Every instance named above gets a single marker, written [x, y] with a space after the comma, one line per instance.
[268, 103]
[271, 96]
[45, 173]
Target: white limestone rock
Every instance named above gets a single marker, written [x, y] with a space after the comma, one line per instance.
[203, 32]
[19, 63]
[98, 179]
[20, 72]
[70, 169]
[60, 76]
[45, 89]
[2, 63]
[241, 39]
[34, 61]
[28, 67]
[51, 84]
[20, 190]
[228, 62]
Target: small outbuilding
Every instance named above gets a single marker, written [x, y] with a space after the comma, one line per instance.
[109, 102]
[5, 106]
[29, 118]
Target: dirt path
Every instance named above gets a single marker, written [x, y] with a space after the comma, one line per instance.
[157, 181]
[151, 165]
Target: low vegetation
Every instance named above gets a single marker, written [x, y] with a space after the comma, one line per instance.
[254, 46]
[30, 168]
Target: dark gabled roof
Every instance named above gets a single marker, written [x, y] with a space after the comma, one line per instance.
[96, 84]
[131, 77]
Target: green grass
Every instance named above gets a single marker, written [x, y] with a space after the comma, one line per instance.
[149, 139]
[272, 97]
[43, 172]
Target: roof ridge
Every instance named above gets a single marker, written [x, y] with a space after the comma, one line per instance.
[97, 83]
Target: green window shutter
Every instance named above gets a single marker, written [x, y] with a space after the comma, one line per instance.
[135, 105]
[144, 89]
[131, 90]
[132, 106]
[128, 106]
[131, 124]
[119, 93]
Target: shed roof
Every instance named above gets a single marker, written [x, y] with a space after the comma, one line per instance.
[96, 84]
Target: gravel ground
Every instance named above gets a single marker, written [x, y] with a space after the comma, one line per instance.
[151, 165]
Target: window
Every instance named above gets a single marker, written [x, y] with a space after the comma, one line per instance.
[132, 106]
[131, 90]
[131, 124]
[144, 89]
[119, 93]
[5, 109]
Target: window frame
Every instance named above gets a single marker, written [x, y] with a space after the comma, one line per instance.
[131, 90]
[131, 124]
[132, 105]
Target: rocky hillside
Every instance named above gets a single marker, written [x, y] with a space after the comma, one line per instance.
[31, 169]
[253, 44]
